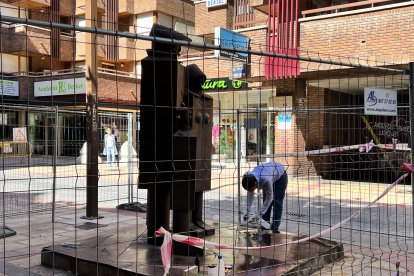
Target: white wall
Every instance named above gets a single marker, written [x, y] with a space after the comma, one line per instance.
[8, 10]
[138, 69]
[165, 20]
[144, 23]
[10, 63]
[80, 21]
[183, 27]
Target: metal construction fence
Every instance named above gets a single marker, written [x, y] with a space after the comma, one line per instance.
[341, 129]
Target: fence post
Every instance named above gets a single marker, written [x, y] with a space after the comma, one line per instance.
[130, 190]
[411, 97]
[54, 160]
[258, 125]
[91, 114]
[238, 167]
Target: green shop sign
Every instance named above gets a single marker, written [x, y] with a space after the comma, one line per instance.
[224, 84]
[60, 87]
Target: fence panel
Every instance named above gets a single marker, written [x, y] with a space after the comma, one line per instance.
[182, 143]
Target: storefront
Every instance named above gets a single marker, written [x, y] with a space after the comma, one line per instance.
[52, 116]
[238, 109]
[70, 129]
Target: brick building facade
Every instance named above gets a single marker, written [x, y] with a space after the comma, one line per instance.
[288, 111]
[361, 33]
[34, 56]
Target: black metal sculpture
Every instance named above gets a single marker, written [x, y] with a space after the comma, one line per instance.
[175, 140]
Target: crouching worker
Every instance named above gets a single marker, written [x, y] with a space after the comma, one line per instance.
[272, 179]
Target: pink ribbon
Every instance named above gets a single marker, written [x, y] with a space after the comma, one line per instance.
[165, 248]
[361, 147]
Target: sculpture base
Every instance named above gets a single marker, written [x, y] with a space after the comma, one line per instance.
[195, 231]
[127, 255]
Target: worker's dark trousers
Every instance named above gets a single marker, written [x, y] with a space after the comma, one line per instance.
[279, 190]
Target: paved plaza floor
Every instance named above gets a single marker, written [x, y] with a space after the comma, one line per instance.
[373, 242]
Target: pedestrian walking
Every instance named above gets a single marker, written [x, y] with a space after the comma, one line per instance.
[110, 146]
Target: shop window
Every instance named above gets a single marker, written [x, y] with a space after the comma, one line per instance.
[8, 120]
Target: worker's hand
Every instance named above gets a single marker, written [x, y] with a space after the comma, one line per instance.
[254, 218]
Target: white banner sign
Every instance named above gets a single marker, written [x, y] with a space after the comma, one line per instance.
[9, 88]
[19, 134]
[60, 87]
[379, 101]
[215, 3]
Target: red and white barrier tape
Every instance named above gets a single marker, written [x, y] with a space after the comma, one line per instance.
[361, 147]
[201, 243]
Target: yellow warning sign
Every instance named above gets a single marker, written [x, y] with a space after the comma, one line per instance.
[19, 134]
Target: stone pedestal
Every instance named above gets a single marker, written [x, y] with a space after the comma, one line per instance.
[123, 153]
[125, 254]
[82, 158]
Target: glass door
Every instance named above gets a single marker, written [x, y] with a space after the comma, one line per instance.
[36, 133]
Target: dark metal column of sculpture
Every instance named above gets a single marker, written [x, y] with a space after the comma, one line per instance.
[175, 140]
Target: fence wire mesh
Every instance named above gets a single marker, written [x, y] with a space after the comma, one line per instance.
[347, 208]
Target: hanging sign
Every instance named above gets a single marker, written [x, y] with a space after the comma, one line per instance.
[215, 3]
[230, 39]
[19, 134]
[9, 88]
[379, 101]
[224, 84]
[60, 87]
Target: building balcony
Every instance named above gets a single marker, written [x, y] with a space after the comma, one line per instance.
[360, 6]
[34, 41]
[247, 20]
[261, 5]
[126, 7]
[66, 50]
[81, 46]
[126, 49]
[246, 15]
[175, 8]
[29, 4]
[27, 40]
[80, 6]
[109, 84]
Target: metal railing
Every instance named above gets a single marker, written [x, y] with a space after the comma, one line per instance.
[350, 6]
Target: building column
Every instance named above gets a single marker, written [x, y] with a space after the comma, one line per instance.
[21, 118]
